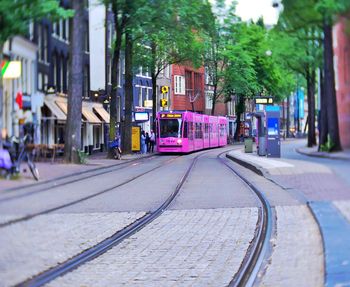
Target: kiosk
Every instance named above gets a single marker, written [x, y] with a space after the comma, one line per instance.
[273, 131]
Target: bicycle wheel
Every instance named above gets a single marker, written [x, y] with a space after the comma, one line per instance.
[34, 170]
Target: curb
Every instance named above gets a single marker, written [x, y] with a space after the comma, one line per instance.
[321, 155]
[247, 165]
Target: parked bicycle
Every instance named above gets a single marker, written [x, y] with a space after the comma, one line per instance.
[16, 151]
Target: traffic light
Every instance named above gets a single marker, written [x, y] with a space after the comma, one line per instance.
[164, 89]
[163, 103]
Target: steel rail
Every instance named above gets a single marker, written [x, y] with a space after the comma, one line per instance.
[259, 247]
[46, 211]
[95, 172]
[108, 243]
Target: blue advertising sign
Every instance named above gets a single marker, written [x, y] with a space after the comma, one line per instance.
[272, 126]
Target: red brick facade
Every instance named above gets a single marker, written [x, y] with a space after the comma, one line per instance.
[193, 85]
[341, 44]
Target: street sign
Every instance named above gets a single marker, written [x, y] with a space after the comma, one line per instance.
[264, 101]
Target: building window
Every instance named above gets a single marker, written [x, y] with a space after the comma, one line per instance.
[67, 29]
[40, 44]
[86, 82]
[61, 35]
[209, 99]
[179, 85]
[61, 75]
[54, 68]
[45, 49]
[110, 34]
[97, 133]
[40, 82]
[140, 97]
[54, 28]
[46, 82]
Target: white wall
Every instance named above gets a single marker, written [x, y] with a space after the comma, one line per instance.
[97, 15]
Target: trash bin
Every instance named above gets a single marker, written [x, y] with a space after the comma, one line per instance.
[248, 145]
[262, 146]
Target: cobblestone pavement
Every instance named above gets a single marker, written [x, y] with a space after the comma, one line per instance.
[27, 248]
[297, 257]
[180, 248]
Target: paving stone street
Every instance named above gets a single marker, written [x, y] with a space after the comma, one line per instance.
[201, 239]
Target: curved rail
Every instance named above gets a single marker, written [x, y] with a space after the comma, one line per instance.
[95, 172]
[108, 243]
[46, 211]
[251, 264]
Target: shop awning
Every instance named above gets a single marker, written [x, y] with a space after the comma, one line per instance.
[102, 113]
[63, 106]
[55, 110]
[90, 116]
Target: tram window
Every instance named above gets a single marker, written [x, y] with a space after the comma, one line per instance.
[185, 129]
[170, 128]
[190, 131]
[198, 131]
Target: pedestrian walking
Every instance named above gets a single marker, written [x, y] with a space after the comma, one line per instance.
[143, 142]
[152, 141]
[147, 142]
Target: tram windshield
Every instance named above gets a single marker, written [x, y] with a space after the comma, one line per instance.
[170, 128]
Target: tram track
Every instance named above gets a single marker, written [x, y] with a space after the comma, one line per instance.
[52, 183]
[97, 250]
[259, 246]
[49, 210]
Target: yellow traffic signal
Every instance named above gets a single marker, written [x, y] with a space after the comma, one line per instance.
[163, 103]
[164, 89]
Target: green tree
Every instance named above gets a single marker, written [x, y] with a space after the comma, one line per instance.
[320, 14]
[171, 32]
[15, 17]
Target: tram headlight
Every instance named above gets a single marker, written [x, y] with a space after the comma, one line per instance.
[179, 141]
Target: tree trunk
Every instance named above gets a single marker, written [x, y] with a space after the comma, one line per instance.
[332, 114]
[154, 85]
[115, 75]
[1, 98]
[75, 91]
[323, 126]
[311, 79]
[126, 130]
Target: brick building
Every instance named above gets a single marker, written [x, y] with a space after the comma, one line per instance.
[341, 45]
[187, 88]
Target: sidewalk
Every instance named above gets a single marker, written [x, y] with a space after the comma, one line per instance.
[58, 169]
[313, 151]
[327, 195]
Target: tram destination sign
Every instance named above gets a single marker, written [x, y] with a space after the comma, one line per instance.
[264, 101]
[171, 116]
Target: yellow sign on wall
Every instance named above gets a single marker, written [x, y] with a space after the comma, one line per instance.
[135, 138]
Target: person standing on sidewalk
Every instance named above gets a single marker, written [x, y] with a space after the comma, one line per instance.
[147, 142]
[152, 141]
[143, 142]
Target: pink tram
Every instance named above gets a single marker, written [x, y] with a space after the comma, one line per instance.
[183, 132]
